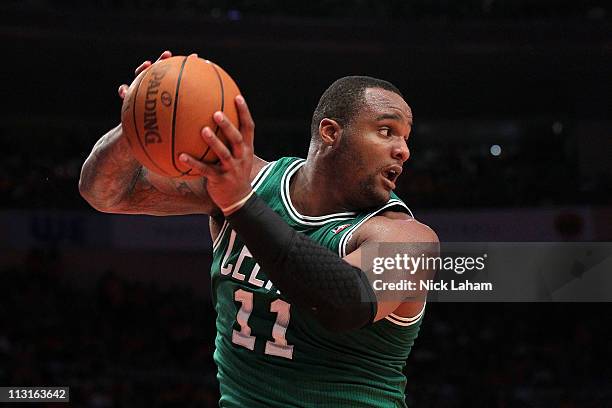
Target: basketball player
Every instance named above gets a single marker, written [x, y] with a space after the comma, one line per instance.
[298, 323]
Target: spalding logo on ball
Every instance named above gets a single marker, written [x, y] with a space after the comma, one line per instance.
[168, 105]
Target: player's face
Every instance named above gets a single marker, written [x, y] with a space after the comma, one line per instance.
[375, 146]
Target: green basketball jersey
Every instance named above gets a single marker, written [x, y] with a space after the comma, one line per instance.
[270, 354]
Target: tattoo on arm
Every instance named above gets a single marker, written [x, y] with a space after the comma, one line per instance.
[183, 188]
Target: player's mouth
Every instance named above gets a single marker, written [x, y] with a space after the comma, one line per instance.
[391, 173]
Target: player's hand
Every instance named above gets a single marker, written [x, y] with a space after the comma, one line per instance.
[228, 180]
[142, 67]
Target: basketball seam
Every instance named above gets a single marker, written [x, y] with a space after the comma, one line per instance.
[176, 100]
[222, 108]
[136, 128]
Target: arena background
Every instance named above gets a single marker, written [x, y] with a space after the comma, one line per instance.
[118, 307]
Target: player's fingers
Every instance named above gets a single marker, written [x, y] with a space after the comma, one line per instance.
[142, 67]
[147, 63]
[217, 146]
[247, 125]
[164, 55]
[198, 167]
[122, 90]
[232, 134]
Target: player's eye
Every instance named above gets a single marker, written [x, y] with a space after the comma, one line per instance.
[385, 131]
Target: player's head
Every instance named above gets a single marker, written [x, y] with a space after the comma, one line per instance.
[343, 100]
[361, 126]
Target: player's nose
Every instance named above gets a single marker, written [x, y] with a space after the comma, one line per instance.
[401, 151]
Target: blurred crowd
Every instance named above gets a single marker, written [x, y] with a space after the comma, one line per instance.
[122, 344]
[41, 170]
[438, 9]
[127, 344]
[511, 355]
[453, 174]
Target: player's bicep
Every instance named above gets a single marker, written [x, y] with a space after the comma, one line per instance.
[384, 305]
[394, 249]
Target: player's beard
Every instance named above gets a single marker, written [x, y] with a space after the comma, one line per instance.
[362, 183]
[372, 192]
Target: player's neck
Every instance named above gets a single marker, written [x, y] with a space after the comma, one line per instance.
[313, 193]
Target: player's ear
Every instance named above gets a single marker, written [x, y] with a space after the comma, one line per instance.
[330, 131]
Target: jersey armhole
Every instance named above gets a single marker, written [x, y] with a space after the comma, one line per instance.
[349, 232]
[392, 317]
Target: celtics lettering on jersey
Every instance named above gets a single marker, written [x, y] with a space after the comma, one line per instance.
[243, 337]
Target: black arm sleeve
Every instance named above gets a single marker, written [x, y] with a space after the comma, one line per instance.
[311, 276]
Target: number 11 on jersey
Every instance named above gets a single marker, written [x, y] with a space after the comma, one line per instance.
[279, 346]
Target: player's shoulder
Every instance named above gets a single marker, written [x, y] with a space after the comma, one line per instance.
[395, 226]
[258, 165]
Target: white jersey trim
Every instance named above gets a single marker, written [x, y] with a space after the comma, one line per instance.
[262, 175]
[219, 236]
[255, 184]
[406, 321]
[294, 213]
[349, 233]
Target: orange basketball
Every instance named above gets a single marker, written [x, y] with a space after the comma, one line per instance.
[167, 106]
